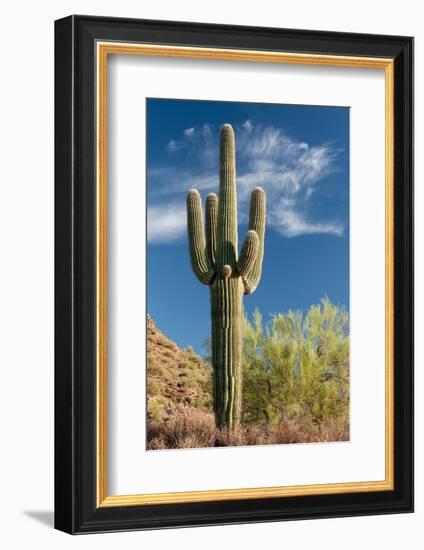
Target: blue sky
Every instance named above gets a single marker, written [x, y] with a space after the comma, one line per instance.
[298, 154]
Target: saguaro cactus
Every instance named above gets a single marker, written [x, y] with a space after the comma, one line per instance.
[215, 262]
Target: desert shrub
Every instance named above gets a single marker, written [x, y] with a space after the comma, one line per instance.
[156, 409]
[206, 400]
[153, 387]
[296, 366]
[156, 367]
[153, 365]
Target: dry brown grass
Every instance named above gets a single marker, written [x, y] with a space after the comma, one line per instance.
[186, 430]
[193, 428]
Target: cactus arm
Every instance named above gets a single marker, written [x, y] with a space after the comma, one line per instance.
[248, 253]
[226, 253]
[211, 219]
[256, 223]
[196, 236]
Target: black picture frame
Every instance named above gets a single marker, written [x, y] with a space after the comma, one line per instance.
[76, 508]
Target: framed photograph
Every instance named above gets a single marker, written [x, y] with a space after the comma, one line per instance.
[234, 274]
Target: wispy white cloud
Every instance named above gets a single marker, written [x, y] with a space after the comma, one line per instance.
[292, 224]
[175, 145]
[289, 170]
[196, 140]
[166, 223]
[247, 125]
[188, 132]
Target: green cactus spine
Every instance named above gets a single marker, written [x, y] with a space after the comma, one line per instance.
[215, 262]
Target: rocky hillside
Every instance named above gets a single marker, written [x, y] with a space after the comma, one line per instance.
[178, 380]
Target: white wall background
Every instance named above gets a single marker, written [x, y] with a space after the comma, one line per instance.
[26, 273]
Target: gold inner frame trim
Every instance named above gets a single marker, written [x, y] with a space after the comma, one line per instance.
[103, 50]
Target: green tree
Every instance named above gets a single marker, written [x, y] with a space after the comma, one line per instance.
[296, 366]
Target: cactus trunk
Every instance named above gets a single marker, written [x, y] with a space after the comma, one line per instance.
[215, 262]
[226, 308]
